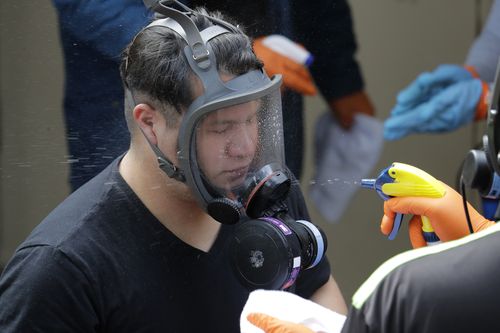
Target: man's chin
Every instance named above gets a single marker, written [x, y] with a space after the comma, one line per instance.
[229, 180]
[233, 183]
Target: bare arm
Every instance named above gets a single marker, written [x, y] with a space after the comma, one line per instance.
[330, 296]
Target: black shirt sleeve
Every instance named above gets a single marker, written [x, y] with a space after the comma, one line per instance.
[355, 322]
[41, 290]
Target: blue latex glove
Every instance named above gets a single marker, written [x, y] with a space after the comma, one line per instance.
[440, 101]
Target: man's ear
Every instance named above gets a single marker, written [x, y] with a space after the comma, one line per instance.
[145, 117]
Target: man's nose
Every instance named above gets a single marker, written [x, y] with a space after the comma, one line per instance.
[242, 143]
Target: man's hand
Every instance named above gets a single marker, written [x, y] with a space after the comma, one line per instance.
[271, 324]
[295, 76]
[344, 108]
[439, 101]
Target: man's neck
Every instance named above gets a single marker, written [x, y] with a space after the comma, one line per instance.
[169, 201]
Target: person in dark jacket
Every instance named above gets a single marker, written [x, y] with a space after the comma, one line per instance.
[93, 35]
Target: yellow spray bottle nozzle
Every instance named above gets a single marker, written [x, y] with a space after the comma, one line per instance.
[412, 181]
[403, 180]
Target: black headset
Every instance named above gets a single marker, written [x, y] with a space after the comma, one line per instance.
[481, 167]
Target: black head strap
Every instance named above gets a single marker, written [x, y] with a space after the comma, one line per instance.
[192, 34]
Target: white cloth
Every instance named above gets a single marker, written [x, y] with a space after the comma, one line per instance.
[342, 159]
[290, 307]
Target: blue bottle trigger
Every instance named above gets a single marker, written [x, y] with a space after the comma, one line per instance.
[376, 184]
[397, 224]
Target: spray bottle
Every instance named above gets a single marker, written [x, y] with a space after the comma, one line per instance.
[403, 180]
[288, 48]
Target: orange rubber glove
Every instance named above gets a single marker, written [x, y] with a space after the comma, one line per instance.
[295, 76]
[483, 103]
[446, 215]
[344, 108]
[271, 324]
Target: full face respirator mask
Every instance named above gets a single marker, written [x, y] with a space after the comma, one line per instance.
[230, 153]
[481, 167]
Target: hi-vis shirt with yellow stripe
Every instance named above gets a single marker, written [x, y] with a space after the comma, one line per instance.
[369, 286]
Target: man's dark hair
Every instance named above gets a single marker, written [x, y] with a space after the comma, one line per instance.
[154, 63]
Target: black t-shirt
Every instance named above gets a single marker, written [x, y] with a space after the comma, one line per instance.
[453, 287]
[101, 262]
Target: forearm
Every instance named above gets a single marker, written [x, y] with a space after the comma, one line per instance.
[330, 296]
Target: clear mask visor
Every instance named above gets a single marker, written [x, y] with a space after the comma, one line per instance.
[239, 146]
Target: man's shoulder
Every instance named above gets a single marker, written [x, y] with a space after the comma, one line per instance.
[83, 212]
[422, 269]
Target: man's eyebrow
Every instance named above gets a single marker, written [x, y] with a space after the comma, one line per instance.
[221, 122]
[217, 121]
